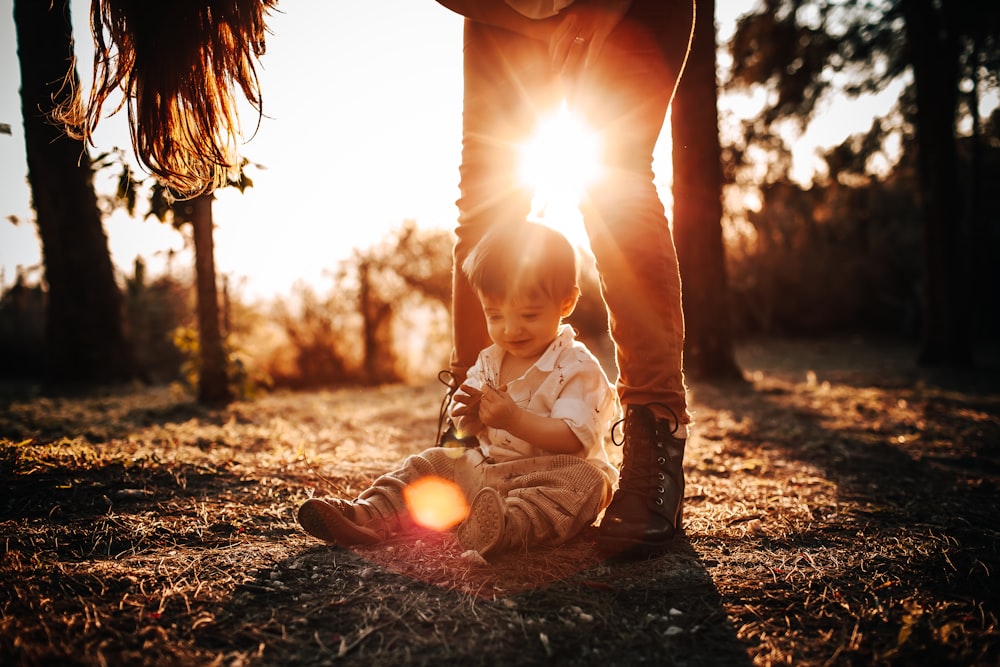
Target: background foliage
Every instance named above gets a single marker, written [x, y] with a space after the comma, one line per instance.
[838, 256]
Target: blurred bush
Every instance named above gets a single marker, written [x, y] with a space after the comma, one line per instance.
[22, 330]
[826, 260]
[154, 311]
[842, 256]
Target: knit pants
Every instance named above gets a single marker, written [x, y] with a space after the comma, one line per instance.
[552, 497]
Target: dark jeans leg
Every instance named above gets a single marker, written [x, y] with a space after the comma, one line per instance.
[625, 98]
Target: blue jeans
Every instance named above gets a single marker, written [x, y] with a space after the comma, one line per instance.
[509, 85]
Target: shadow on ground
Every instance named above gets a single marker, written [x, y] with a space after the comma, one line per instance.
[388, 608]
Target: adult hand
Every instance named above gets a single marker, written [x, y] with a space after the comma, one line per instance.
[584, 27]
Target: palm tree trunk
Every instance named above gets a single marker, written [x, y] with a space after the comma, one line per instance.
[213, 381]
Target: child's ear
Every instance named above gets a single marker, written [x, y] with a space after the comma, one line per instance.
[569, 303]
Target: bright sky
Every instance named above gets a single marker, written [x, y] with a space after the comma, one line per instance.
[363, 131]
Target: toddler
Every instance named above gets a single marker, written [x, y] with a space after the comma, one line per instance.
[536, 401]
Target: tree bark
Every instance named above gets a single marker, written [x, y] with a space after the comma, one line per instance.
[697, 189]
[934, 51]
[213, 380]
[85, 341]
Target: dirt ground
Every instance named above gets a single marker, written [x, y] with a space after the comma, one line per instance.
[841, 510]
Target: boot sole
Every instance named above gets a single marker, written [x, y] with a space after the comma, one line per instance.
[625, 546]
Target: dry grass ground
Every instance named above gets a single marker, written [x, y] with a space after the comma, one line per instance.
[842, 510]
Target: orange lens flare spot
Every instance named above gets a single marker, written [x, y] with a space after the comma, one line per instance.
[436, 503]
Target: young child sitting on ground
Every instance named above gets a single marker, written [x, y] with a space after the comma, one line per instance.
[537, 401]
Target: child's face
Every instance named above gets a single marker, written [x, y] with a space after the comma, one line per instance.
[524, 326]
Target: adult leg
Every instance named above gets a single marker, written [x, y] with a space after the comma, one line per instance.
[508, 84]
[625, 97]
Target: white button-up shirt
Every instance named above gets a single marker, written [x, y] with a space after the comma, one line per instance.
[567, 383]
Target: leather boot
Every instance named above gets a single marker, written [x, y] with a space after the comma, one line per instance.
[645, 513]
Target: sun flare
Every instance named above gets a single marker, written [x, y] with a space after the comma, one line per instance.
[558, 161]
[435, 503]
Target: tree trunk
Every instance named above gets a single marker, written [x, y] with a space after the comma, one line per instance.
[934, 49]
[697, 189]
[85, 341]
[369, 342]
[213, 380]
[981, 289]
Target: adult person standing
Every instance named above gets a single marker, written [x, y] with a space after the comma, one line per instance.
[617, 63]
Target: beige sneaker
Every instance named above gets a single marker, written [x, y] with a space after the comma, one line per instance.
[334, 521]
[483, 530]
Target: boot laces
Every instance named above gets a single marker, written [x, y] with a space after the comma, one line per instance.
[447, 378]
[657, 422]
[642, 468]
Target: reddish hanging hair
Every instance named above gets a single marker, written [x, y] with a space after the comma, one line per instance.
[178, 65]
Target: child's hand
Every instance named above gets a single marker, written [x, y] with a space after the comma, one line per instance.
[497, 409]
[467, 398]
[466, 410]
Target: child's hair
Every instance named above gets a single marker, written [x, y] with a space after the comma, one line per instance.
[522, 259]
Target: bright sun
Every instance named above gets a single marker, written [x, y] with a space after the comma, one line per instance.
[558, 161]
